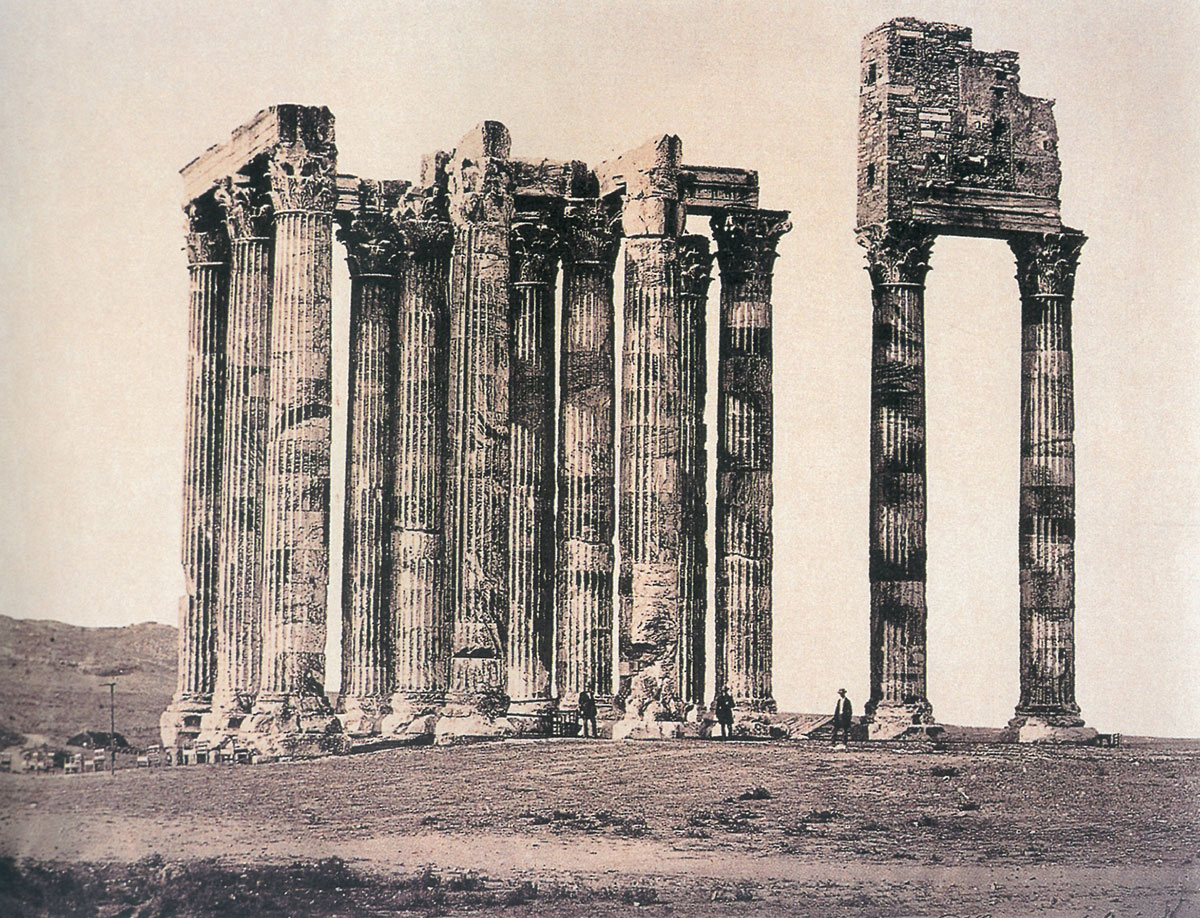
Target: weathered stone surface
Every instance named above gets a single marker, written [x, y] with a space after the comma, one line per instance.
[248, 216]
[296, 501]
[464, 728]
[746, 252]
[1046, 275]
[535, 247]
[208, 258]
[479, 441]
[695, 271]
[419, 614]
[946, 137]
[371, 239]
[898, 259]
[637, 728]
[586, 452]
[651, 496]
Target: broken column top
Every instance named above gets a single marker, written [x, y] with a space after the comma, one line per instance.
[946, 138]
[308, 126]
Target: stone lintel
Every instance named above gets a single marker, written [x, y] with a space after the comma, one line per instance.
[355, 194]
[552, 178]
[707, 190]
[311, 126]
[648, 179]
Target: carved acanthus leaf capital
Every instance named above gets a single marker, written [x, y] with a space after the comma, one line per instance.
[302, 180]
[1046, 262]
[246, 207]
[371, 241]
[897, 253]
[746, 241]
[207, 242]
[535, 245]
[421, 239]
[592, 231]
[695, 265]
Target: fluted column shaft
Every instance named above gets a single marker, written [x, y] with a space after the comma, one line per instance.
[239, 639]
[898, 259]
[746, 251]
[1046, 274]
[208, 267]
[478, 460]
[296, 503]
[695, 274]
[418, 607]
[586, 456]
[534, 263]
[651, 496]
[366, 632]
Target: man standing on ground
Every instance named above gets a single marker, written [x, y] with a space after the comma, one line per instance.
[587, 710]
[724, 711]
[843, 712]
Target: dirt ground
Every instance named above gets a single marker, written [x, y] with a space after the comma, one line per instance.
[576, 827]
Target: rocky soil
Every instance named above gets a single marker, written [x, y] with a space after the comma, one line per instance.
[580, 828]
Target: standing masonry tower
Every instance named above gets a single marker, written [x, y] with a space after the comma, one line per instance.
[488, 562]
[948, 144]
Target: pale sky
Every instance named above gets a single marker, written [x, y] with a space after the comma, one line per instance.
[104, 103]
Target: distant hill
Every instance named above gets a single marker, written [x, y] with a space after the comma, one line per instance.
[52, 675]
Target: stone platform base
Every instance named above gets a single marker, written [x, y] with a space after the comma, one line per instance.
[300, 727]
[460, 725]
[182, 723]
[1050, 729]
[632, 728]
[893, 730]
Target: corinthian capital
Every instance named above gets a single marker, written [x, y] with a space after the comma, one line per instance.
[695, 264]
[591, 231]
[746, 241]
[246, 207]
[371, 242]
[423, 239]
[534, 246]
[302, 180]
[207, 242]
[1046, 262]
[897, 253]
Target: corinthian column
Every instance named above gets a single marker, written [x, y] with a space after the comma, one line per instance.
[296, 503]
[746, 245]
[651, 403]
[695, 275]
[1046, 275]
[208, 265]
[534, 262]
[479, 440]
[418, 608]
[369, 235]
[586, 454]
[248, 214]
[898, 259]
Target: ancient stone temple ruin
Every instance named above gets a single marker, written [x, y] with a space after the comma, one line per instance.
[482, 484]
[949, 144]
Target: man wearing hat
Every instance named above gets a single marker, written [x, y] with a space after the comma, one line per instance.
[843, 712]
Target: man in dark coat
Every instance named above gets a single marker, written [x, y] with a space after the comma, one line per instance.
[587, 710]
[843, 713]
[723, 708]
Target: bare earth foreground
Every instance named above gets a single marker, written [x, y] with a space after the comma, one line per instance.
[578, 827]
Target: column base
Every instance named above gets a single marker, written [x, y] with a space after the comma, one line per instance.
[637, 728]
[362, 715]
[1052, 726]
[461, 723]
[183, 720]
[412, 714]
[901, 720]
[295, 726]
